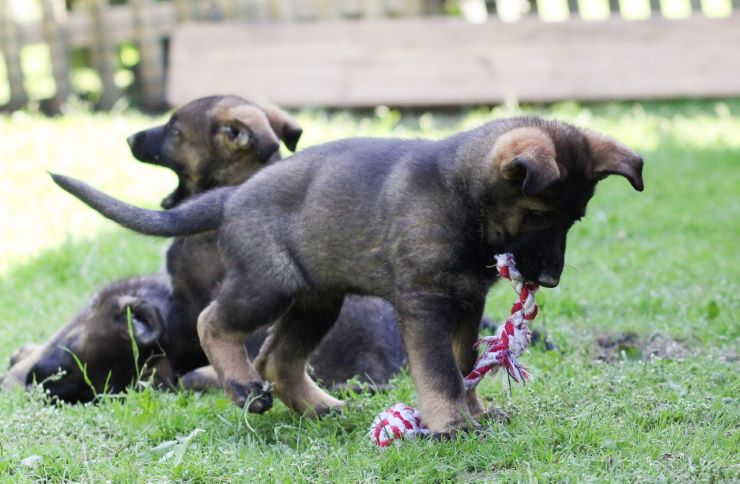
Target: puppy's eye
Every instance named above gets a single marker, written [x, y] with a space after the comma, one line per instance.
[537, 217]
[175, 132]
[232, 132]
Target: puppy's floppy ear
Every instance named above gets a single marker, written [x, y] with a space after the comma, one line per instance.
[284, 125]
[147, 322]
[610, 157]
[246, 126]
[526, 154]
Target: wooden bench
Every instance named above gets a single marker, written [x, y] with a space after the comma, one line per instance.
[446, 61]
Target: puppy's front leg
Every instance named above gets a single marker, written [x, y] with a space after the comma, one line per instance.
[426, 326]
[225, 349]
[464, 336]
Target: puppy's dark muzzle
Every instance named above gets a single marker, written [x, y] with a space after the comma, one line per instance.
[145, 146]
[546, 280]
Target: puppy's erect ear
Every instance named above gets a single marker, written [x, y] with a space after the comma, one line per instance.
[147, 322]
[246, 127]
[284, 125]
[526, 154]
[610, 157]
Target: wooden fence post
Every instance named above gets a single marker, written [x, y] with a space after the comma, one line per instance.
[11, 51]
[434, 7]
[573, 8]
[183, 10]
[55, 34]
[104, 54]
[614, 7]
[151, 65]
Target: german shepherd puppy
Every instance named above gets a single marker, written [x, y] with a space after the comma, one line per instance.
[414, 221]
[196, 143]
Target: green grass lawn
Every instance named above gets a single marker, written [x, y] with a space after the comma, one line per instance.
[653, 271]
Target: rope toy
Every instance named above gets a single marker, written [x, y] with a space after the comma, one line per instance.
[502, 350]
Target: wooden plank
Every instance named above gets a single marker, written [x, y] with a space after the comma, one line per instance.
[445, 61]
[104, 52]
[433, 7]
[55, 33]
[11, 50]
[183, 10]
[119, 21]
[151, 66]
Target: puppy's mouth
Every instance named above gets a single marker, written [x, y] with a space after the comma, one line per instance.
[153, 160]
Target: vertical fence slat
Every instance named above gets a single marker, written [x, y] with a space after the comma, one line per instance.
[151, 64]
[614, 7]
[327, 9]
[655, 7]
[183, 10]
[434, 7]
[55, 35]
[254, 10]
[533, 8]
[281, 9]
[372, 8]
[411, 7]
[573, 8]
[228, 7]
[696, 5]
[11, 49]
[103, 53]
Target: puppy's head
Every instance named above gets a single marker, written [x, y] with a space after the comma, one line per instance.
[215, 141]
[95, 352]
[546, 172]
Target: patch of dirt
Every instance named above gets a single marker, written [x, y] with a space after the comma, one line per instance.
[629, 346]
[661, 347]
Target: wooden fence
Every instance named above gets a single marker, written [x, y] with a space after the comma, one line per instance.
[102, 26]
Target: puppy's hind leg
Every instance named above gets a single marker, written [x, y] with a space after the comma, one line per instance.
[283, 357]
[223, 327]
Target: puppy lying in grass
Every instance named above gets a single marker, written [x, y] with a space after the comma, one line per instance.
[94, 353]
[416, 222]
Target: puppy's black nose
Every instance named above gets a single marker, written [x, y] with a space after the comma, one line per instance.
[131, 140]
[547, 280]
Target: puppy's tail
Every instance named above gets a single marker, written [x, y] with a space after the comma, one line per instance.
[199, 214]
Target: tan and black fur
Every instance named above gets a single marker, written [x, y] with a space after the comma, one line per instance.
[413, 221]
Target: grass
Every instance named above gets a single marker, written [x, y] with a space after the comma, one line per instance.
[663, 262]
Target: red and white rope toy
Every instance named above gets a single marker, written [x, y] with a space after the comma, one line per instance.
[501, 350]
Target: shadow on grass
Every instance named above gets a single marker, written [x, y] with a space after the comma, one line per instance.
[42, 294]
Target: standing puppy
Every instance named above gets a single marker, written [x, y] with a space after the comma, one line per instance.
[416, 222]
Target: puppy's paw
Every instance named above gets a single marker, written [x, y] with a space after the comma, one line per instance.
[464, 423]
[200, 380]
[254, 394]
[22, 352]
